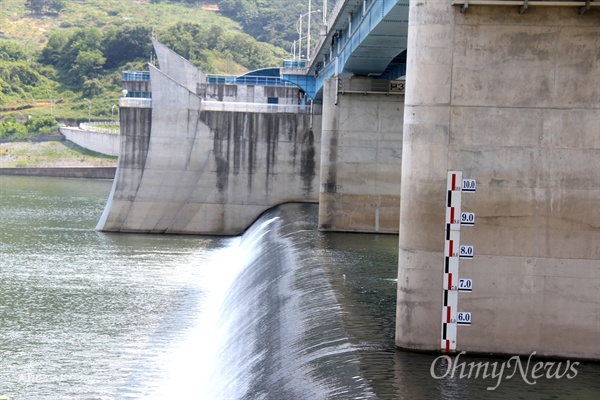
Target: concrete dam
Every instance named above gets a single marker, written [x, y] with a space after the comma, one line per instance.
[185, 169]
[486, 162]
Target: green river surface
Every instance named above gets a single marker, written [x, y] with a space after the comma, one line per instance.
[282, 312]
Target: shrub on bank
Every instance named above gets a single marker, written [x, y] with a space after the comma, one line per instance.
[10, 128]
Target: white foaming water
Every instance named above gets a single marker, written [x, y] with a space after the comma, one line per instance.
[269, 327]
[190, 369]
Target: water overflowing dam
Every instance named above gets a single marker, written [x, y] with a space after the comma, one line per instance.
[282, 312]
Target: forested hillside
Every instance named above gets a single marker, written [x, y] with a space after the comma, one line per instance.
[274, 22]
[64, 58]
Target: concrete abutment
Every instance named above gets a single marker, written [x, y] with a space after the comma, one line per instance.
[361, 155]
[513, 101]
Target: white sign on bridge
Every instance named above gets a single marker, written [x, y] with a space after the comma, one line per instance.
[397, 86]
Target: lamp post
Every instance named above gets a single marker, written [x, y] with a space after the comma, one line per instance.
[293, 50]
[112, 112]
[308, 35]
[112, 122]
[299, 37]
[89, 110]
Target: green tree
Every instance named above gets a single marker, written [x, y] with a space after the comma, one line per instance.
[41, 125]
[186, 39]
[10, 128]
[41, 6]
[126, 43]
[77, 54]
[53, 51]
[11, 51]
[273, 22]
[91, 87]
[58, 5]
[87, 64]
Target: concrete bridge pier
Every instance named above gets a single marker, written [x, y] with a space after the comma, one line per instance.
[361, 155]
[513, 101]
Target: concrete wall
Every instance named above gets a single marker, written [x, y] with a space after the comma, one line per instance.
[249, 93]
[178, 68]
[63, 172]
[104, 143]
[136, 124]
[209, 172]
[360, 158]
[514, 102]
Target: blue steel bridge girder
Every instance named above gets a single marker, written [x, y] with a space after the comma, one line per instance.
[363, 37]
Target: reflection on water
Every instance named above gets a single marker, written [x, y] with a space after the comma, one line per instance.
[284, 312]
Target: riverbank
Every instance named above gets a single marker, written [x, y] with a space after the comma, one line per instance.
[54, 158]
[62, 172]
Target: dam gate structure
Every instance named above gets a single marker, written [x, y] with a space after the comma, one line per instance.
[502, 94]
[196, 166]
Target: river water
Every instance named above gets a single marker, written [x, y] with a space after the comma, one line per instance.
[282, 312]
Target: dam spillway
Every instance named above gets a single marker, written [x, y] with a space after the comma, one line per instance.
[531, 145]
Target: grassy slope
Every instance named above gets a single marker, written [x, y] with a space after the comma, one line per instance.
[32, 32]
[51, 154]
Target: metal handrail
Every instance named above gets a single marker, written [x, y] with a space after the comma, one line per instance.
[247, 80]
[584, 5]
[255, 107]
[112, 127]
[135, 75]
[135, 102]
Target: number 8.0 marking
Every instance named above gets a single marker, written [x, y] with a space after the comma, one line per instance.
[466, 252]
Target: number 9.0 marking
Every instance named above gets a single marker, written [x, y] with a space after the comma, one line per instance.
[467, 219]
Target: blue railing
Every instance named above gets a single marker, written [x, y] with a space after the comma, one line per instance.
[247, 80]
[135, 75]
[294, 63]
[140, 95]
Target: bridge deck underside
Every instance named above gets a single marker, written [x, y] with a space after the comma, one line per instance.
[381, 37]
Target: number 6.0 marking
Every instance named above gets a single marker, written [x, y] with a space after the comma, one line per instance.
[463, 318]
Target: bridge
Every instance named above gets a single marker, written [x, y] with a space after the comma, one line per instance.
[505, 94]
[362, 37]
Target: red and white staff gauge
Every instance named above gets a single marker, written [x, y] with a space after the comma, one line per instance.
[453, 253]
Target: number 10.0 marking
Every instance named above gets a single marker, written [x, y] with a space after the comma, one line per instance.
[469, 185]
